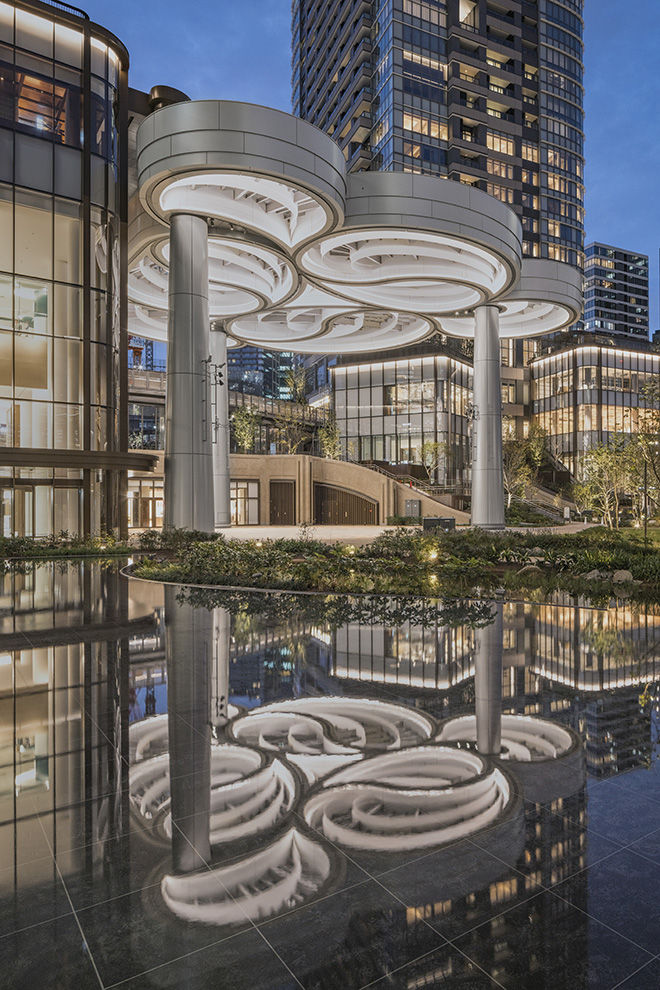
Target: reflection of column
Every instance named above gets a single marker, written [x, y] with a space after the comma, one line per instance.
[189, 645]
[220, 671]
[488, 648]
[188, 436]
[221, 432]
[487, 488]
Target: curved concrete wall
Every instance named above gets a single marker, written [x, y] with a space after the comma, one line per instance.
[390, 495]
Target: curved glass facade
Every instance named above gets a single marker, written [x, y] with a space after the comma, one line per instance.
[62, 92]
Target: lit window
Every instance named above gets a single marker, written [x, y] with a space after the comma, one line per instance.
[501, 142]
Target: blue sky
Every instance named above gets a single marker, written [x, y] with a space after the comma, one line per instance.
[240, 51]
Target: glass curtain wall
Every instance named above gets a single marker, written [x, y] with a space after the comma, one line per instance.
[60, 287]
[387, 411]
[583, 396]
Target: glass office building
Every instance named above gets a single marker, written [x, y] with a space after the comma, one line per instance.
[583, 395]
[386, 410]
[63, 429]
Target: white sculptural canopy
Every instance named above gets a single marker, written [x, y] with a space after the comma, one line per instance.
[305, 258]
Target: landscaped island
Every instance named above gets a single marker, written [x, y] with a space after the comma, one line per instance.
[597, 563]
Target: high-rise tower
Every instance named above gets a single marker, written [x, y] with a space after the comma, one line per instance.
[616, 290]
[485, 92]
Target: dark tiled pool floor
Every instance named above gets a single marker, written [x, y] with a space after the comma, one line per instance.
[478, 913]
[561, 893]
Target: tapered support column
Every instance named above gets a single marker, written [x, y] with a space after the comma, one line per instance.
[488, 684]
[487, 485]
[188, 634]
[220, 670]
[220, 431]
[188, 433]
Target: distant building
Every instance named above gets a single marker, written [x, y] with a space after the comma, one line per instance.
[616, 291]
[254, 371]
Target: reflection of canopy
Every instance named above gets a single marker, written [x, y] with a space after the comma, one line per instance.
[307, 258]
[370, 778]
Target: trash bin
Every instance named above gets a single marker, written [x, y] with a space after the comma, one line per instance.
[439, 522]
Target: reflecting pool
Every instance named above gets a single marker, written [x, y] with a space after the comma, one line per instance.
[235, 790]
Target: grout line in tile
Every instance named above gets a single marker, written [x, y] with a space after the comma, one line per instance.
[170, 962]
[253, 925]
[630, 975]
[77, 920]
[604, 924]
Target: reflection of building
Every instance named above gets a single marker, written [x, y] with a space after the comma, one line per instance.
[616, 291]
[617, 733]
[560, 662]
[62, 294]
[62, 704]
[510, 935]
[406, 655]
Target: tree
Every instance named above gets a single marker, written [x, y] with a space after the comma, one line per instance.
[606, 471]
[290, 429]
[330, 438]
[516, 472]
[431, 455]
[295, 380]
[536, 443]
[583, 495]
[648, 435]
[639, 480]
[245, 426]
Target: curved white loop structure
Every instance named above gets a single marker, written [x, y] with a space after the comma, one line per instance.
[279, 877]
[373, 787]
[524, 738]
[287, 215]
[304, 739]
[414, 272]
[321, 734]
[547, 298]
[149, 786]
[244, 277]
[411, 799]
[357, 723]
[254, 168]
[148, 738]
[247, 795]
[315, 330]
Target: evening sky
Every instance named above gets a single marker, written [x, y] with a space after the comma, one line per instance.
[232, 50]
